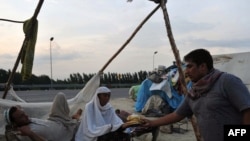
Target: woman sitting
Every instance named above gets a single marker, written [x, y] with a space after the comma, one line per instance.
[100, 122]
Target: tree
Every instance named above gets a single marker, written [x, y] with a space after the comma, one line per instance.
[3, 76]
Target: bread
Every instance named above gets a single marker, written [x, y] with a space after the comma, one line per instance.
[134, 119]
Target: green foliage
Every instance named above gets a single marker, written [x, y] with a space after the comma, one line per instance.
[77, 78]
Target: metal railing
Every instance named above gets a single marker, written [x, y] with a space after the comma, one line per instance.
[61, 86]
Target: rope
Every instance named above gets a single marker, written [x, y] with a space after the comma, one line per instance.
[7, 20]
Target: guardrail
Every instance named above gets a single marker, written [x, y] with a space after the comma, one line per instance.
[61, 86]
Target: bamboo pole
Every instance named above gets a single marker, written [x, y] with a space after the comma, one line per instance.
[7, 86]
[130, 38]
[178, 62]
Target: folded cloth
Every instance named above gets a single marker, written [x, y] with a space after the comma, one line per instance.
[30, 28]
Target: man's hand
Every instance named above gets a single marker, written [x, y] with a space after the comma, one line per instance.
[146, 122]
[25, 130]
[124, 126]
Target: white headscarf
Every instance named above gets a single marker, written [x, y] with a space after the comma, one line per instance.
[97, 120]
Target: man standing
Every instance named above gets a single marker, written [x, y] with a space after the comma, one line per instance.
[216, 98]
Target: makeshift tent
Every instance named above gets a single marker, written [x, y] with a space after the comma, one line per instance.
[41, 109]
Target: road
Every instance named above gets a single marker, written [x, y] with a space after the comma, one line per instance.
[48, 95]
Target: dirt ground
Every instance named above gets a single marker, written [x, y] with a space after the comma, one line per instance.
[182, 131]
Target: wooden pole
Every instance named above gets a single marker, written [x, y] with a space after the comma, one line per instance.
[7, 86]
[130, 38]
[178, 62]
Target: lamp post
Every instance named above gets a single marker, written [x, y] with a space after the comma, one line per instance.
[51, 78]
[154, 59]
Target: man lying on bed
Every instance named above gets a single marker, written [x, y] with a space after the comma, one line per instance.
[58, 127]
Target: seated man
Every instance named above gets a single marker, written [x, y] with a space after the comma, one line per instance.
[59, 123]
[100, 121]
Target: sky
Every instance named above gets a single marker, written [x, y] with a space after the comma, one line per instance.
[87, 33]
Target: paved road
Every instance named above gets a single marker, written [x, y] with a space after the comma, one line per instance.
[48, 95]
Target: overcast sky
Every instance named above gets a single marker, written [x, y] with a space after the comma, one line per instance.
[88, 32]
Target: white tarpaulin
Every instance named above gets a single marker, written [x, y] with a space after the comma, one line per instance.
[236, 63]
[41, 109]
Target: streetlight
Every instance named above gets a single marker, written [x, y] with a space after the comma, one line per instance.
[51, 78]
[154, 59]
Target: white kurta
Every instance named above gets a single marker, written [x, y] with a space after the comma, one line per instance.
[59, 126]
[51, 130]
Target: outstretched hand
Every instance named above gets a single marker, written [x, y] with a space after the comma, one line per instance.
[124, 126]
[146, 122]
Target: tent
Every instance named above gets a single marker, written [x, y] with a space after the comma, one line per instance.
[234, 63]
